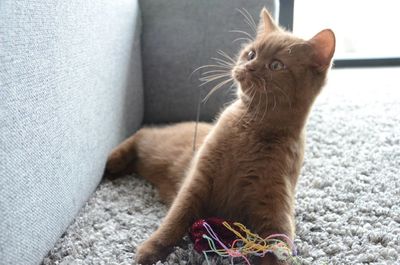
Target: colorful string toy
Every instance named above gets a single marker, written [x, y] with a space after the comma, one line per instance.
[234, 240]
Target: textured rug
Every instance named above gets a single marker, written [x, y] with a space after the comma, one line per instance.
[348, 197]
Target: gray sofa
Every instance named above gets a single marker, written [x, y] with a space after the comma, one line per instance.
[77, 77]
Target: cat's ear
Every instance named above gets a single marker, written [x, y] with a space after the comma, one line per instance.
[267, 23]
[323, 45]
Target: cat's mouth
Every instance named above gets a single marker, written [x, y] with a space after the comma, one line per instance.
[240, 74]
[248, 79]
[244, 77]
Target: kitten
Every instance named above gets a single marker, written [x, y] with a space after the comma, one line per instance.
[248, 162]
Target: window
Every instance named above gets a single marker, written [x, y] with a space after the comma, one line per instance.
[366, 30]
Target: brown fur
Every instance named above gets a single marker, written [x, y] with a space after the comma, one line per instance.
[247, 164]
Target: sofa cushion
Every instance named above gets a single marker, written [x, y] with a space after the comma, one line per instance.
[179, 36]
[70, 90]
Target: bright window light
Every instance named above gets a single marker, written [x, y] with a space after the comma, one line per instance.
[363, 28]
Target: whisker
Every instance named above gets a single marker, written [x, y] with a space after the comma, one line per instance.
[221, 61]
[262, 84]
[228, 103]
[248, 21]
[266, 107]
[212, 77]
[243, 32]
[224, 54]
[251, 26]
[215, 88]
[209, 81]
[283, 93]
[253, 93]
[274, 101]
[256, 110]
[242, 39]
[206, 81]
[266, 98]
[209, 66]
[218, 66]
[231, 101]
[215, 71]
[213, 65]
[251, 18]
[248, 120]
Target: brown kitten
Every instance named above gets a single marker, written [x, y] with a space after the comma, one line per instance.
[247, 164]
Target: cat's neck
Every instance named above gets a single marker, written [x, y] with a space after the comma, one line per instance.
[270, 115]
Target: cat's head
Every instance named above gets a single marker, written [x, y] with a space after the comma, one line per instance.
[287, 68]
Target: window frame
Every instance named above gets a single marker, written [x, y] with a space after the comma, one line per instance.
[286, 14]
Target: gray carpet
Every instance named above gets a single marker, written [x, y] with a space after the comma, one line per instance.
[348, 197]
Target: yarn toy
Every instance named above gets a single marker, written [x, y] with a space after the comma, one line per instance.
[234, 240]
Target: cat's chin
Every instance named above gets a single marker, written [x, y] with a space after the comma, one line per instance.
[246, 86]
[239, 77]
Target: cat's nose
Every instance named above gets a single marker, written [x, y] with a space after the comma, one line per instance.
[250, 68]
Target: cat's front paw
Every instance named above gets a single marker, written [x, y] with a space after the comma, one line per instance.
[150, 252]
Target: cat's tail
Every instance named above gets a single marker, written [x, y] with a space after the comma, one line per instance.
[122, 159]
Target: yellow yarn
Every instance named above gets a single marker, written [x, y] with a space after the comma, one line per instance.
[253, 243]
[250, 243]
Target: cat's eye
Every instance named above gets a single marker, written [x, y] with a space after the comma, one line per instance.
[251, 55]
[276, 65]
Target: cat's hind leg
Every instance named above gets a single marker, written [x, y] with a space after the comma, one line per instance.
[161, 155]
[144, 153]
